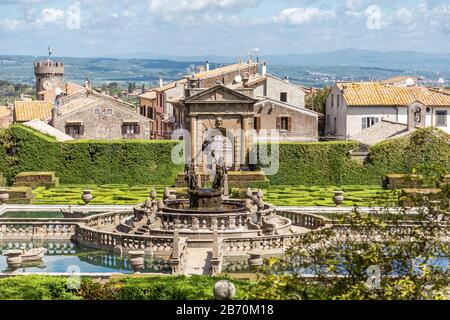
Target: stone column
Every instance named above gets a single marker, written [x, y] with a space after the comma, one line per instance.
[245, 127]
[193, 136]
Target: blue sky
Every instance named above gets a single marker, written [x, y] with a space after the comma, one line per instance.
[223, 27]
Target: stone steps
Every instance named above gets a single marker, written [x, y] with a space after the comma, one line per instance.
[198, 261]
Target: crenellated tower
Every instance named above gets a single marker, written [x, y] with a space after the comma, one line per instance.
[49, 75]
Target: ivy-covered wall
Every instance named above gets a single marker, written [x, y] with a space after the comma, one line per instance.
[88, 162]
[425, 151]
[322, 163]
[135, 162]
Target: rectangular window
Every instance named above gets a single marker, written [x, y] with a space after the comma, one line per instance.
[328, 120]
[257, 123]
[367, 122]
[150, 113]
[337, 100]
[130, 128]
[283, 96]
[97, 111]
[441, 118]
[109, 111]
[332, 100]
[74, 129]
[284, 123]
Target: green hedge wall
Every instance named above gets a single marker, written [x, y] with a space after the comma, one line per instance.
[322, 163]
[89, 162]
[329, 163]
[149, 162]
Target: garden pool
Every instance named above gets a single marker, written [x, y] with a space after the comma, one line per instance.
[68, 257]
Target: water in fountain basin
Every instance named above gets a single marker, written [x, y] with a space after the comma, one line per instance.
[64, 256]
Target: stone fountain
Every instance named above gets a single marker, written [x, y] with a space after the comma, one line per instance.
[207, 210]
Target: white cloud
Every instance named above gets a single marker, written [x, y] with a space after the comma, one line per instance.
[298, 16]
[11, 24]
[196, 5]
[404, 15]
[353, 4]
[52, 14]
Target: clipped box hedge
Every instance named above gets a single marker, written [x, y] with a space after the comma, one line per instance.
[425, 152]
[146, 162]
[321, 163]
[88, 162]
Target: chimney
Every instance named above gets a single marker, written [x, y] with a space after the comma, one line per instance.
[161, 82]
[55, 112]
[264, 69]
[207, 65]
[286, 78]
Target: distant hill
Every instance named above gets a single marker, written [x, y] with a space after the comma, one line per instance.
[319, 69]
[348, 57]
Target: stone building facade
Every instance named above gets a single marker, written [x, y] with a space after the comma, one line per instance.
[352, 108]
[99, 117]
[292, 123]
[235, 110]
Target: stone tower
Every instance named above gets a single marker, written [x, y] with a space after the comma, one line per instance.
[49, 75]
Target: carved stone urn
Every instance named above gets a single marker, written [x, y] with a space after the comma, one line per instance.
[14, 259]
[255, 261]
[87, 196]
[338, 198]
[136, 261]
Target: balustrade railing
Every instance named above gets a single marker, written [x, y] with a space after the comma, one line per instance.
[305, 220]
[204, 222]
[36, 230]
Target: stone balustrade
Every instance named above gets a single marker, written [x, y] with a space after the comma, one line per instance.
[278, 243]
[224, 222]
[305, 220]
[90, 237]
[106, 219]
[37, 230]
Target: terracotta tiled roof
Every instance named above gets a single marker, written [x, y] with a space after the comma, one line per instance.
[223, 70]
[4, 111]
[169, 85]
[151, 95]
[378, 94]
[30, 110]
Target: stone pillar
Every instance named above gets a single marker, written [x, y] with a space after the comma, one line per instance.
[176, 245]
[215, 246]
[193, 136]
[245, 127]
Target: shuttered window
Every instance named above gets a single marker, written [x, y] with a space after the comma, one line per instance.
[74, 129]
[284, 123]
[257, 123]
[131, 128]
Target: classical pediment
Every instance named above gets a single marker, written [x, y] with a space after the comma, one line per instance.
[220, 94]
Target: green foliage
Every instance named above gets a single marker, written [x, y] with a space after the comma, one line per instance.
[89, 162]
[426, 152]
[365, 256]
[40, 287]
[325, 163]
[35, 287]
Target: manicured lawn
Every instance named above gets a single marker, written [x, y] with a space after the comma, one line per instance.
[356, 195]
[119, 194]
[278, 195]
